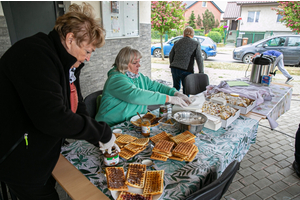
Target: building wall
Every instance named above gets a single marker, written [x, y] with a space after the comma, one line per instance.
[94, 74]
[267, 20]
[199, 10]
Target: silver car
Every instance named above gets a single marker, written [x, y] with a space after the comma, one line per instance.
[289, 45]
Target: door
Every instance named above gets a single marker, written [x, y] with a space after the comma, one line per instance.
[292, 51]
[26, 18]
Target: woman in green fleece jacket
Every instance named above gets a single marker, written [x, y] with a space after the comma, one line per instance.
[127, 91]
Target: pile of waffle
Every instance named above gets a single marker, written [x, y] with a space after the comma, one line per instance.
[130, 145]
[153, 119]
[180, 147]
[137, 176]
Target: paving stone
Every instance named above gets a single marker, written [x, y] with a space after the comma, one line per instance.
[258, 166]
[255, 152]
[279, 186]
[275, 177]
[236, 195]
[293, 190]
[252, 197]
[282, 195]
[247, 171]
[284, 163]
[269, 161]
[286, 171]
[292, 179]
[250, 189]
[267, 155]
[246, 163]
[235, 186]
[264, 143]
[237, 177]
[260, 174]
[276, 151]
[266, 192]
[288, 153]
[248, 180]
[256, 159]
[272, 169]
[263, 182]
[265, 149]
[279, 157]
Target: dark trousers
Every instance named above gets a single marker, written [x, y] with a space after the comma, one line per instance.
[178, 76]
[297, 146]
[28, 192]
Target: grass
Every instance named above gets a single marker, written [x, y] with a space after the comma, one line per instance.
[229, 66]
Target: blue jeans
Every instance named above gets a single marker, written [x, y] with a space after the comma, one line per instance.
[178, 76]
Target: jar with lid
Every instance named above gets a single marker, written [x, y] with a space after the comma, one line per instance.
[163, 111]
[111, 159]
[146, 125]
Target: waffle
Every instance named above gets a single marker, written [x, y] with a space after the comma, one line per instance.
[129, 195]
[176, 158]
[163, 147]
[117, 134]
[115, 179]
[161, 136]
[132, 147]
[183, 150]
[121, 145]
[141, 142]
[149, 116]
[126, 154]
[136, 175]
[183, 137]
[154, 182]
[125, 139]
[193, 155]
[158, 156]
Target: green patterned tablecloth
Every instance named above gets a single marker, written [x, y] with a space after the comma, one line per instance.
[217, 149]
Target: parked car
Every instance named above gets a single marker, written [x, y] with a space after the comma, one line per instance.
[288, 45]
[208, 46]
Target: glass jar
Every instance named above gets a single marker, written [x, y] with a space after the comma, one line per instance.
[111, 159]
[163, 111]
[146, 125]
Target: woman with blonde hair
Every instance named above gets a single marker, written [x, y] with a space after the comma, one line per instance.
[43, 104]
[127, 91]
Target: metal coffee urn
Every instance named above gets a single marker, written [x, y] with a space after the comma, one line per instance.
[262, 64]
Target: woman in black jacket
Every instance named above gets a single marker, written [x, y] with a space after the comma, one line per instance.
[36, 75]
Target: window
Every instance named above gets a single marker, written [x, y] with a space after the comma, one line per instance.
[253, 16]
[293, 41]
[120, 18]
[276, 42]
[204, 3]
[279, 18]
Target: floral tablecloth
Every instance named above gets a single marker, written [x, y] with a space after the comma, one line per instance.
[217, 149]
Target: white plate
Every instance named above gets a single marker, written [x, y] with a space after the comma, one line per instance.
[134, 118]
[115, 194]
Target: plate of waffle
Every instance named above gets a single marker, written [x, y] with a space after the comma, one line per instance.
[136, 120]
[136, 183]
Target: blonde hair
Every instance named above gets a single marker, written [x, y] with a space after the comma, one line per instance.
[126, 55]
[189, 31]
[80, 20]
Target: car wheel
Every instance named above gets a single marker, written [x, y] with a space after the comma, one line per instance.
[248, 58]
[204, 55]
[157, 53]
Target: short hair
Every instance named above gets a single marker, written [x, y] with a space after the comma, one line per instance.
[189, 31]
[80, 20]
[126, 55]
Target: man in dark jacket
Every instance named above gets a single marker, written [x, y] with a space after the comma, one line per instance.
[37, 109]
[182, 57]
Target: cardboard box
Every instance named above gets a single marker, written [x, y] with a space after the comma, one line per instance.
[244, 110]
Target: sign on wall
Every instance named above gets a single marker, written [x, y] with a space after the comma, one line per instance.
[120, 18]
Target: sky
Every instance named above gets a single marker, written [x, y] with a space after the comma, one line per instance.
[221, 4]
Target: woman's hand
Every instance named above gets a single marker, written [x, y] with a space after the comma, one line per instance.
[108, 146]
[184, 97]
[177, 101]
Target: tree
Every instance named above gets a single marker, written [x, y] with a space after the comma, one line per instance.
[192, 20]
[166, 16]
[291, 14]
[199, 21]
[208, 20]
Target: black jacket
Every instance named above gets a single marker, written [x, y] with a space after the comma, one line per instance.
[34, 85]
[183, 54]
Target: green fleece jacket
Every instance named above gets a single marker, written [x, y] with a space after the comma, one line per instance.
[123, 97]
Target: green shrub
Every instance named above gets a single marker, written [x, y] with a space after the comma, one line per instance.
[215, 36]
